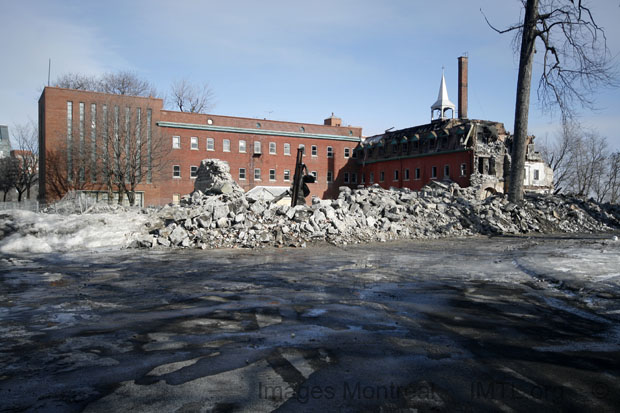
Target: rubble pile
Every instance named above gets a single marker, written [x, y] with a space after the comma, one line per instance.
[364, 215]
[213, 178]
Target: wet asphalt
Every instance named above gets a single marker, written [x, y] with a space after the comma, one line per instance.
[475, 324]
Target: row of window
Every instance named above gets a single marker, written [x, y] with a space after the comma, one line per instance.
[405, 148]
[193, 170]
[406, 175]
[176, 144]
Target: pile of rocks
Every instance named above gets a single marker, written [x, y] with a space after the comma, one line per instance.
[213, 178]
[367, 214]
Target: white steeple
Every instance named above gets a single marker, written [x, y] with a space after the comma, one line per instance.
[443, 102]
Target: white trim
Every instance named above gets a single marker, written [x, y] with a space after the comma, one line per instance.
[213, 128]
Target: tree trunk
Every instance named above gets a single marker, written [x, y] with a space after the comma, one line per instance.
[524, 82]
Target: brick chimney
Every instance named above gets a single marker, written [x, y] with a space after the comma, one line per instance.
[462, 102]
[332, 121]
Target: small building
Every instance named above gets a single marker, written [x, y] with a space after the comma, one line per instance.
[5, 143]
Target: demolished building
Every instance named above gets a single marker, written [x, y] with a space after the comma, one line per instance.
[470, 152]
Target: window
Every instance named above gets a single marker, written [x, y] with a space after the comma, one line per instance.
[257, 174]
[330, 152]
[287, 148]
[346, 177]
[446, 171]
[381, 176]
[176, 171]
[396, 174]
[303, 148]
[242, 146]
[405, 147]
[316, 176]
[176, 142]
[463, 169]
[176, 199]
[434, 172]
[258, 125]
[272, 174]
[362, 179]
[193, 171]
[406, 174]
[371, 178]
[257, 147]
[242, 174]
[347, 152]
[417, 173]
[302, 129]
[272, 148]
[226, 145]
[210, 144]
[194, 143]
[287, 175]
[330, 176]
[314, 150]
[536, 175]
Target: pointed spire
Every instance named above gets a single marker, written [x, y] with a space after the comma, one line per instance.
[443, 102]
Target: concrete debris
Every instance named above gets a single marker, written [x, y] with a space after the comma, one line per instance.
[213, 177]
[370, 214]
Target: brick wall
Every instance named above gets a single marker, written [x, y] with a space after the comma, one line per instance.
[53, 116]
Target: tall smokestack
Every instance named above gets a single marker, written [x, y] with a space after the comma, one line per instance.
[462, 87]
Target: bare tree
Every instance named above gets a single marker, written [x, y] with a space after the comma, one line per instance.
[575, 60]
[125, 83]
[26, 153]
[557, 155]
[118, 83]
[8, 175]
[63, 167]
[582, 163]
[132, 150]
[189, 97]
[588, 163]
[77, 81]
[614, 178]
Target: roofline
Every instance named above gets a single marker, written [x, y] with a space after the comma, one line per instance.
[252, 131]
[101, 93]
[266, 120]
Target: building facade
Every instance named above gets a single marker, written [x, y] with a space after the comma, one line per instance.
[92, 142]
[466, 151]
[86, 136]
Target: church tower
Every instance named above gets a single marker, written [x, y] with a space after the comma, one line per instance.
[443, 104]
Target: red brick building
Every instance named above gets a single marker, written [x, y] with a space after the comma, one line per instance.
[447, 149]
[82, 133]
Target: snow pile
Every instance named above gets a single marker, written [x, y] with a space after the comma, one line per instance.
[25, 231]
[365, 215]
[234, 219]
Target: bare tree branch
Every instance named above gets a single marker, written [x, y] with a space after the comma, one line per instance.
[193, 98]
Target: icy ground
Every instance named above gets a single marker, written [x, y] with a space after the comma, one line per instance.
[473, 324]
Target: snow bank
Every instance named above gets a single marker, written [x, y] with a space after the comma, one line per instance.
[29, 232]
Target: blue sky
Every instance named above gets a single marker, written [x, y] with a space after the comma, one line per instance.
[374, 64]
